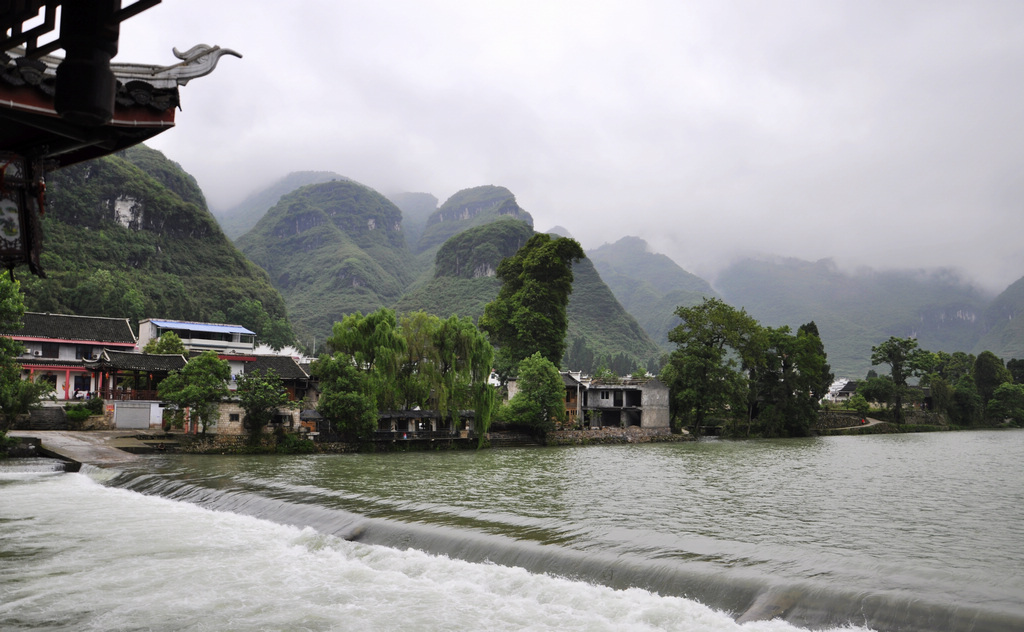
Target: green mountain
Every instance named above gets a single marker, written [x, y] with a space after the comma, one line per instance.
[464, 281]
[129, 235]
[855, 311]
[1004, 318]
[331, 249]
[463, 275]
[649, 285]
[239, 219]
[468, 208]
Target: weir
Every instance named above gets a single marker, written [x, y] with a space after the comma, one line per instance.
[746, 598]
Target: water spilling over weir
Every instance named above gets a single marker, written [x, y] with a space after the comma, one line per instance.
[817, 533]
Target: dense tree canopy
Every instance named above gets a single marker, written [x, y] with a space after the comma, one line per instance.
[529, 313]
[17, 396]
[199, 386]
[905, 361]
[419, 361]
[540, 400]
[702, 373]
[758, 380]
[260, 394]
[789, 377]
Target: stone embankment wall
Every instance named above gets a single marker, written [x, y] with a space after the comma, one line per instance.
[829, 420]
[632, 434]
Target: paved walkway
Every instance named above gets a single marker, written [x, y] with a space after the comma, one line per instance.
[871, 422]
[95, 447]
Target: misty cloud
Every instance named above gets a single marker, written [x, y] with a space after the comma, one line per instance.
[882, 134]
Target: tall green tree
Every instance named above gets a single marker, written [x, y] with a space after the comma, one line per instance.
[905, 361]
[168, 343]
[989, 373]
[464, 357]
[1007, 404]
[529, 313]
[540, 400]
[1016, 369]
[344, 398]
[17, 396]
[199, 386]
[374, 345]
[260, 394]
[702, 373]
[791, 379]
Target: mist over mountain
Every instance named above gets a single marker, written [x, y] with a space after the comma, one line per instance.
[855, 311]
[240, 218]
[649, 285]
[416, 210]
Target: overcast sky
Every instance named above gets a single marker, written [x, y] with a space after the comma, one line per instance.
[886, 134]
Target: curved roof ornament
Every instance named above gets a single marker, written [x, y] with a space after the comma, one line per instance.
[198, 61]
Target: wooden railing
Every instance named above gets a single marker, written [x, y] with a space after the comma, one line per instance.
[129, 394]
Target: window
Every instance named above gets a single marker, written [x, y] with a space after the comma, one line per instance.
[604, 394]
[83, 352]
[51, 350]
[233, 417]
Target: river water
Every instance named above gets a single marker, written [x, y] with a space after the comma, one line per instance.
[887, 532]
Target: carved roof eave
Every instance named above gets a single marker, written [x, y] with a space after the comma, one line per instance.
[198, 61]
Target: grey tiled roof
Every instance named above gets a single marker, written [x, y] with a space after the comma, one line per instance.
[67, 327]
[148, 362]
[284, 366]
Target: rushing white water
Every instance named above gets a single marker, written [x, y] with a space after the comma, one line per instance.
[76, 555]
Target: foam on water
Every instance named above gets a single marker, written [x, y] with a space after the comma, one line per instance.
[78, 555]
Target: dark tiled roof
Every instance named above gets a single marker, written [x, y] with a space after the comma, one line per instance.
[67, 327]
[148, 362]
[48, 362]
[284, 366]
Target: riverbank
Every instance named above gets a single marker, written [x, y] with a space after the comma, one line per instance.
[605, 436]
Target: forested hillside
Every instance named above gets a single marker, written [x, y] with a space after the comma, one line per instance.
[1005, 324]
[464, 282]
[649, 285]
[129, 235]
[331, 249]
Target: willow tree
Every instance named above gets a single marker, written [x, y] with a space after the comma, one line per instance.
[464, 357]
[446, 366]
[374, 346]
[529, 313]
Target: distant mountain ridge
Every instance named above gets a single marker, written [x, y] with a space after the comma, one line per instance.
[855, 311]
[649, 285]
[338, 247]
